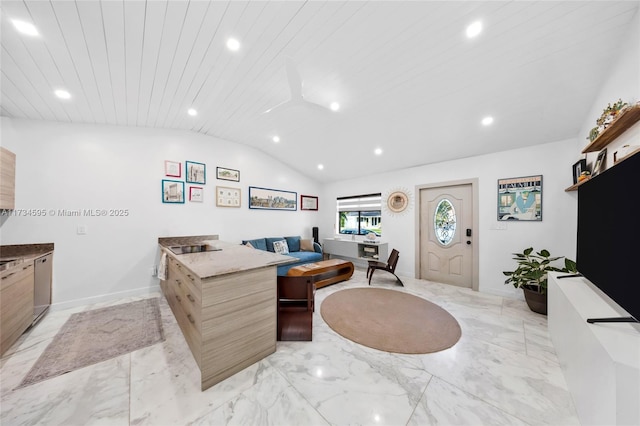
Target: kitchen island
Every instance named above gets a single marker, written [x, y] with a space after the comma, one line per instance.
[223, 297]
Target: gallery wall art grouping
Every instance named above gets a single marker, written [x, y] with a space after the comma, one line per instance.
[175, 192]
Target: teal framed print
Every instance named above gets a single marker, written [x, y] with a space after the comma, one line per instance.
[195, 172]
[172, 191]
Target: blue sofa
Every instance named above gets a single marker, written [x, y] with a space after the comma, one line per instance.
[293, 244]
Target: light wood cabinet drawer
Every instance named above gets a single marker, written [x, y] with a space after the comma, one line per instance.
[189, 304]
[16, 304]
[189, 326]
[183, 297]
[187, 285]
[184, 274]
[15, 274]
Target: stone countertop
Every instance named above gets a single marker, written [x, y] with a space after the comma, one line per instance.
[22, 253]
[230, 259]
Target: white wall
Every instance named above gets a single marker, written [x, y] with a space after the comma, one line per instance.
[64, 166]
[556, 232]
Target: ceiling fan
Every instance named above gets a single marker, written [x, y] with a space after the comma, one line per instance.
[295, 88]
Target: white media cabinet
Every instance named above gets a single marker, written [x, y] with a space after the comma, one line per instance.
[601, 361]
[356, 250]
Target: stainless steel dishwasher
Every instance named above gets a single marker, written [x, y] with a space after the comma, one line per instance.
[42, 286]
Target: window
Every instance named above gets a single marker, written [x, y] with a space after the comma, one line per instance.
[360, 214]
[444, 222]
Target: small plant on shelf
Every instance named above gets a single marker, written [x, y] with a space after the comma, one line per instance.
[608, 115]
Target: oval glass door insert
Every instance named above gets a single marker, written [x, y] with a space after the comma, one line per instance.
[444, 222]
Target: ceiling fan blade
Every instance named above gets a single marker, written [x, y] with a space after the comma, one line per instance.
[316, 106]
[295, 87]
[281, 106]
[294, 79]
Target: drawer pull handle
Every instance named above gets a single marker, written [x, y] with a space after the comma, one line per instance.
[27, 267]
[179, 298]
[191, 320]
[190, 297]
[179, 282]
[7, 276]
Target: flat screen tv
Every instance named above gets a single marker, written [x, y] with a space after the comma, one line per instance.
[608, 252]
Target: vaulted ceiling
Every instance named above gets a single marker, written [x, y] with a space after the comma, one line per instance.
[407, 78]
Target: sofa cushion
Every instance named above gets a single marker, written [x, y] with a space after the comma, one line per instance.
[307, 256]
[281, 247]
[258, 243]
[303, 256]
[306, 245]
[270, 242]
[293, 243]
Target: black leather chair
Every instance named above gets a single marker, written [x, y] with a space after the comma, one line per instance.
[295, 307]
[390, 266]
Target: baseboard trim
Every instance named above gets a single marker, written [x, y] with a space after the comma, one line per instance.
[142, 291]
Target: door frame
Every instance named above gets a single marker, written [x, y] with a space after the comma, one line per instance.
[475, 257]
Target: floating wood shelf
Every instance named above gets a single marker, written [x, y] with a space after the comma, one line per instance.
[622, 122]
[575, 186]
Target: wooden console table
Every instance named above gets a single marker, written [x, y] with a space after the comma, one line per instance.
[327, 271]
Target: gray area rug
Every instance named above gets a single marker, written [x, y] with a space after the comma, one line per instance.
[98, 335]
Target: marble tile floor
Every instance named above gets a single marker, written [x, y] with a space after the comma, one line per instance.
[503, 371]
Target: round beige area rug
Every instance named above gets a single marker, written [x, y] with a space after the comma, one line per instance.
[390, 320]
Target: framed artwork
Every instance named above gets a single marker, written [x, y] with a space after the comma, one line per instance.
[308, 202]
[172, 191]
[578, 168]
[520, 198]
[196, 194]
[172, 168]
[195, 172]
[227, 197]
[272, 199]
[600, 164]
[227, 174]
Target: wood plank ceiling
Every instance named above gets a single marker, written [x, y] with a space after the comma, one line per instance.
[407, 78]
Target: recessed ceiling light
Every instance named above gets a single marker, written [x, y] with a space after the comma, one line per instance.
[192, 112]
[320, 166]
[378, 151]
[487, 121]
[474, 29]
[334, 106]
[233, 44]
[25, 27]
[62, 94]
[276, 138]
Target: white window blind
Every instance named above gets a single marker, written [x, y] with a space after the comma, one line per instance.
[360, 203]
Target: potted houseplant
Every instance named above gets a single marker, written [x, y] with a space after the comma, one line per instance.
[531, 276]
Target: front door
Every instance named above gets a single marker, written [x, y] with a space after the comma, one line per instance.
[446, 235]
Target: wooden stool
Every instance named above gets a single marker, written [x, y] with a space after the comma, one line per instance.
[295, 307]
